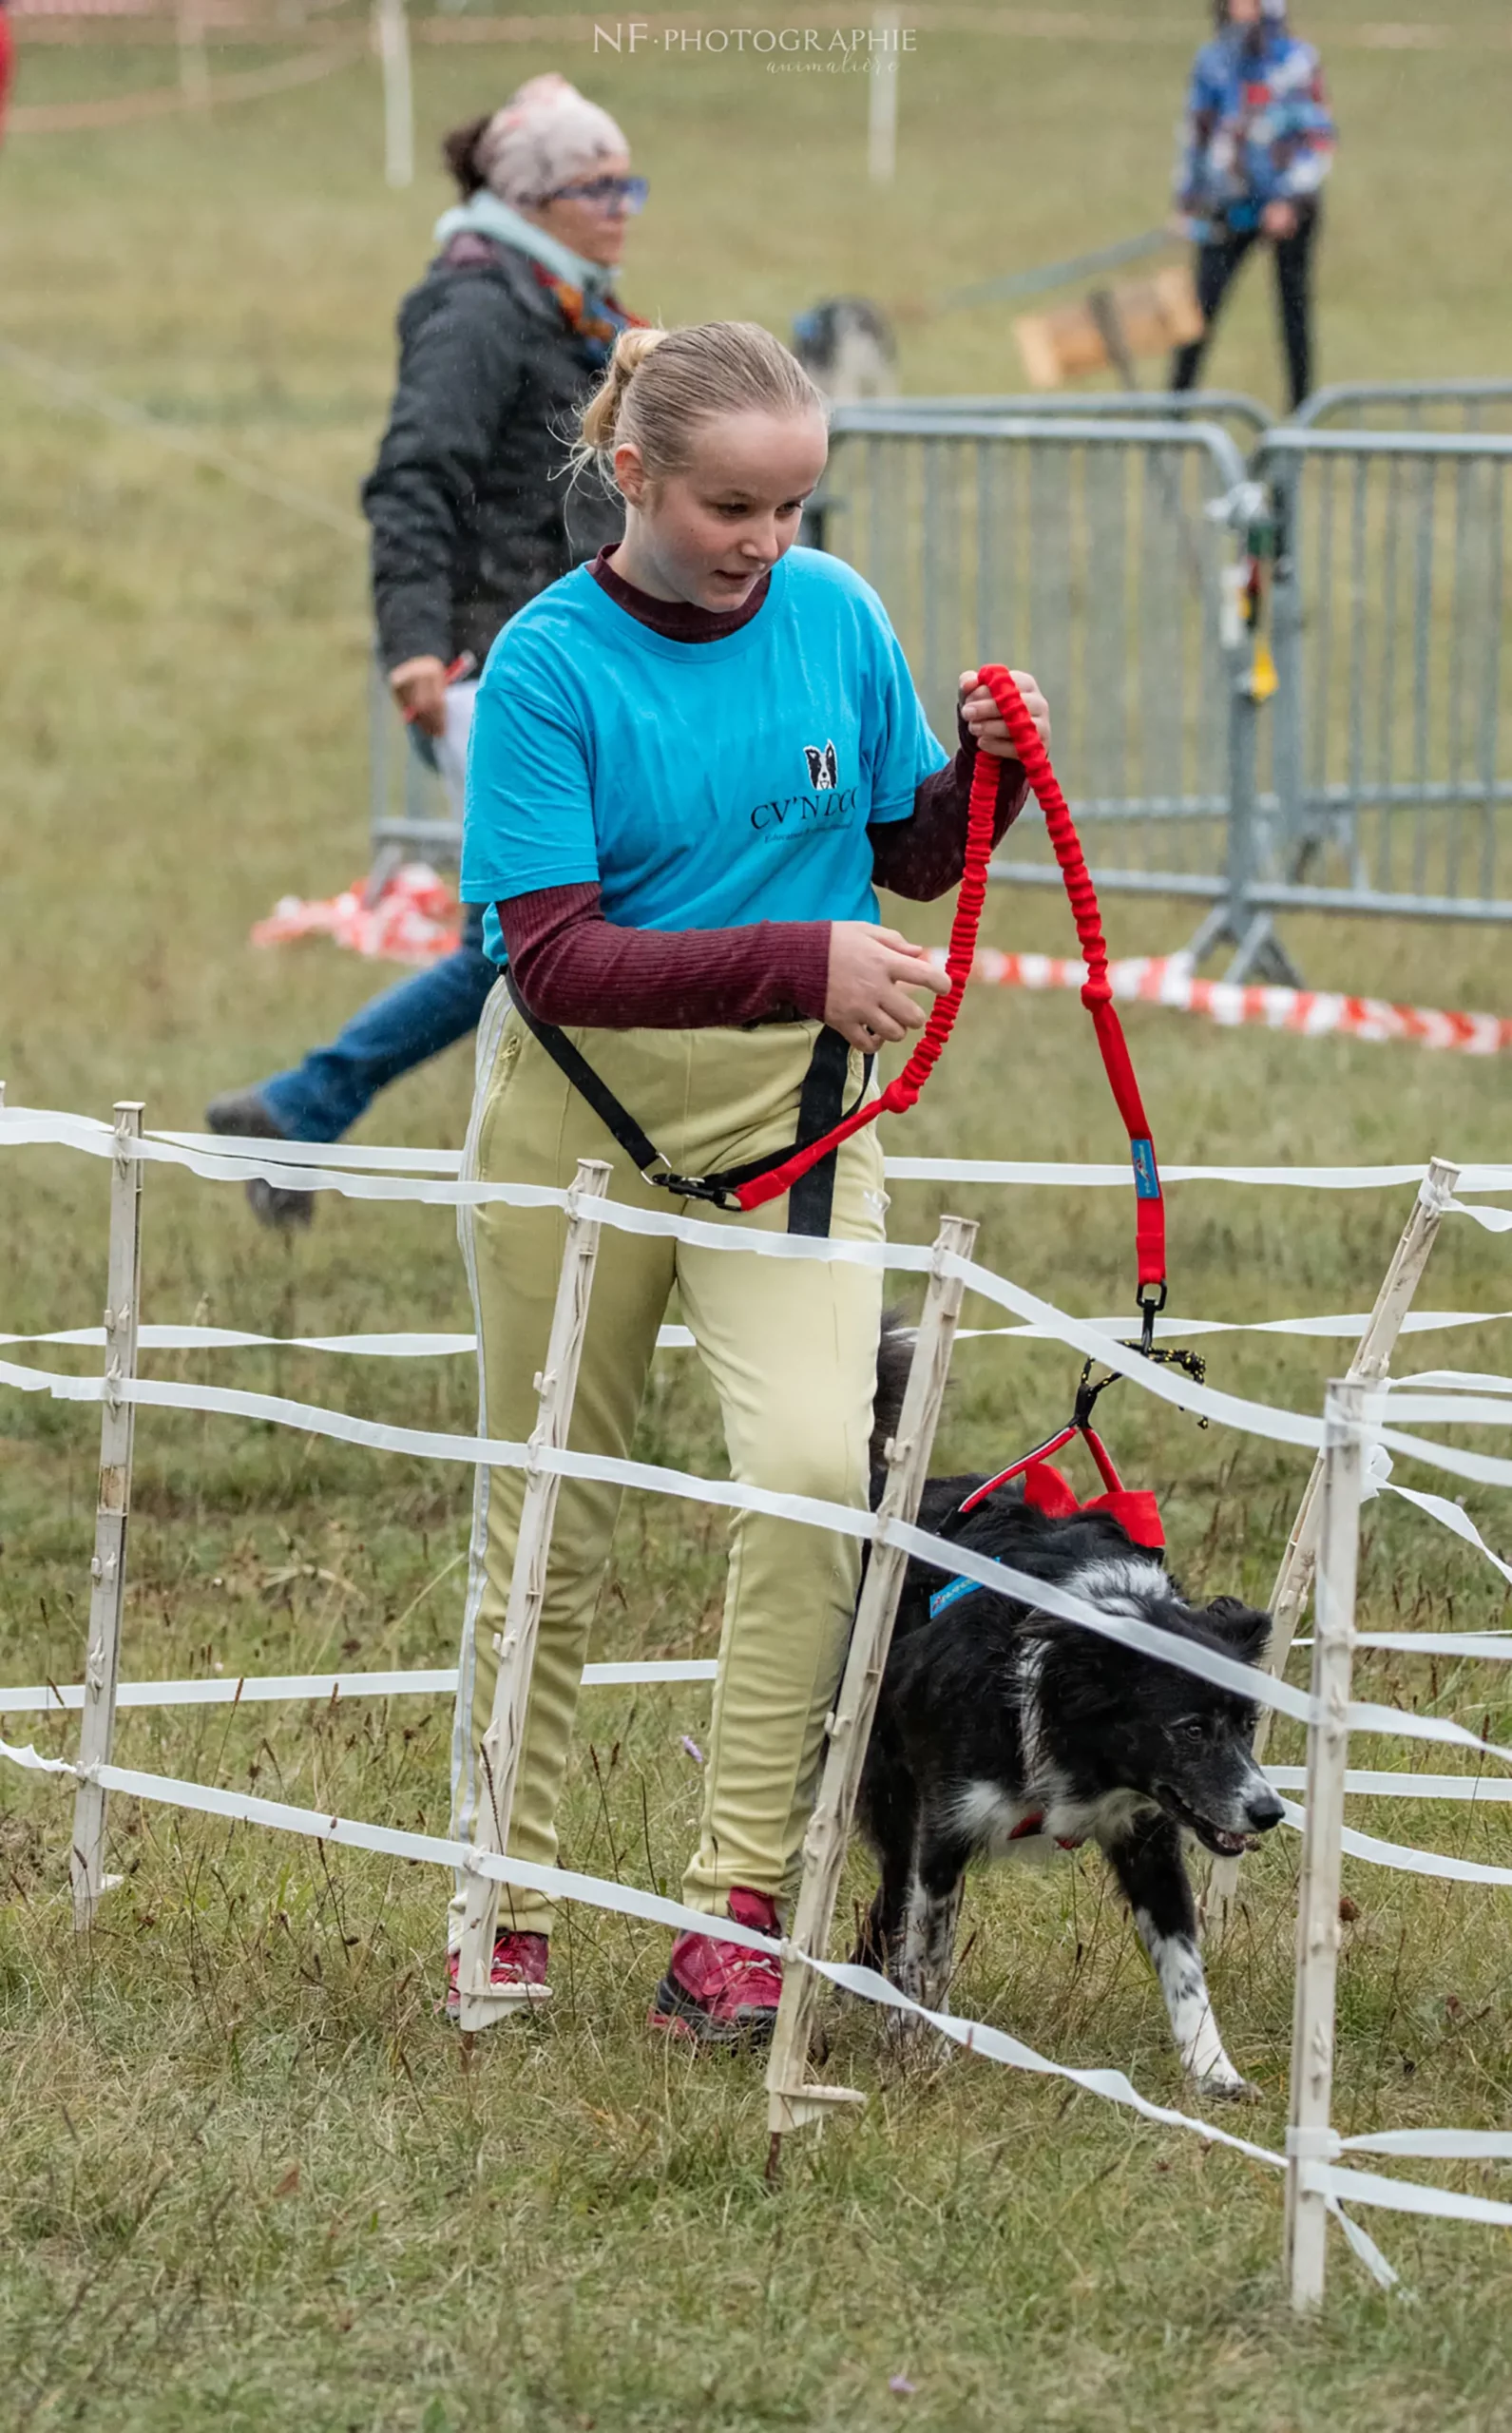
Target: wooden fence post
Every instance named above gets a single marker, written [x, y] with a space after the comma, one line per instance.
[882, 112]
[794, 2102]
[390, 34]
[1346, 1415]
[108, 1569]
[194, 60]
[1293, 1581]
[481, 2002]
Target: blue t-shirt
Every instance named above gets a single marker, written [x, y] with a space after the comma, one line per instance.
[701, 785]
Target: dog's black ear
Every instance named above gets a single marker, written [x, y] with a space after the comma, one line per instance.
[1240, 1627]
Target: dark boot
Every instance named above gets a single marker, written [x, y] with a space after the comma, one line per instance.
[242, 1115]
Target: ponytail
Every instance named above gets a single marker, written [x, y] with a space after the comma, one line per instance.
[599, 423]
[459, 150]
[662, 385]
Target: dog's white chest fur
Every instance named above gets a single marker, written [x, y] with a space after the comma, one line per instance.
[1030, 1828]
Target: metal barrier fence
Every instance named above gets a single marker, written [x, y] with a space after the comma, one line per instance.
[1409, 405]
[1244, 417]
[1121, 551]
[1392, 763]
[1098, 551]
[1088, 545]
[1123, 558]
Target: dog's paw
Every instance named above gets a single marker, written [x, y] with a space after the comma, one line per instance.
[904, 2030]
[909, 2053]
[1225, 2086]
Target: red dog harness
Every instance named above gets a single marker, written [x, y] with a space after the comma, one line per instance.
[1049, 1492]
[1045, 1490]
[1029, 1829]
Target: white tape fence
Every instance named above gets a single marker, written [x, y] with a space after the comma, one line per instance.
[1439, 1397]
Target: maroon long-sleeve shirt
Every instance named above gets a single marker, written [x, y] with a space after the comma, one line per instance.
[572, 966]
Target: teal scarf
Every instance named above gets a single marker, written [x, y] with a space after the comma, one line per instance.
[484, 215]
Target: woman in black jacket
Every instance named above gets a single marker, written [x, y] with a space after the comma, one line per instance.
[474, 512]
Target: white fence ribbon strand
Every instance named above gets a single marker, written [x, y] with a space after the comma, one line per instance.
[1401, 2196]
[314, 1419]
[1482, 1469]
[1231, 1410]
[1344, 1326]
[1401, 1857]
[1487, 1647]
[1258, 1419]
[170, 1339]
[972, 2036]
[1106, 1176]
[628, 1901]
[353, 1154]
[1449, 1381]
[1460, 1410]
[1453, 1517]
[1369, 1782]
[26, 1126]
[1435, 2145]
[1494, 1220]
[264, 1688]
[1436, 1398]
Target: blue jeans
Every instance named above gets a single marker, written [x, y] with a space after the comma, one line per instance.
[323, 1097]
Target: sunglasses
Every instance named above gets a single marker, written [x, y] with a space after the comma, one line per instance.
[607, 194]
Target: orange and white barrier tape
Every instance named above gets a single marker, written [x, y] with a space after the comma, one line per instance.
[414, 918]
[1168, 980]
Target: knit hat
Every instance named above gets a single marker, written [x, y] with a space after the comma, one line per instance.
[546, 135]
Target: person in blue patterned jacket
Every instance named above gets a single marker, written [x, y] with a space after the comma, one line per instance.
[1256, 146]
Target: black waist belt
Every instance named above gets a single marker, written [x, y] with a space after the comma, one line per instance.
[821, 1103]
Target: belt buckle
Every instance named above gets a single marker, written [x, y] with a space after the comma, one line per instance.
[712, 1195]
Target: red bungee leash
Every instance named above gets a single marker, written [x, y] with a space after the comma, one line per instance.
[1097, 995]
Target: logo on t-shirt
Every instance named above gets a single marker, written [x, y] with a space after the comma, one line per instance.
[823, 768]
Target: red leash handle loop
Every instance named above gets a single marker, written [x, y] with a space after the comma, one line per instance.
[903, 1090]
[965, 923]
[1096, 993]
[1096, 989]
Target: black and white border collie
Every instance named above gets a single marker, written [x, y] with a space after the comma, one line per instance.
[998, 1726]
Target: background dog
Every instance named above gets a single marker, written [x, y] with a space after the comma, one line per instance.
[847, 345]
[998, 1726]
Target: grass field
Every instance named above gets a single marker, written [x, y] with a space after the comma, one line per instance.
[248, 2180]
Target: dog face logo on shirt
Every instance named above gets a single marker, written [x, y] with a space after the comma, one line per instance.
[825, 806]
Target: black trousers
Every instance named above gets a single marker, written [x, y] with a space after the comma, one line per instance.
[1216, 265]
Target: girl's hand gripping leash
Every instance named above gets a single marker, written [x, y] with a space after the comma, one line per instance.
[1097, 995]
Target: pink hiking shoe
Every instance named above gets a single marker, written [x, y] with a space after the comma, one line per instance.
[720, 1992]
[518, 1960]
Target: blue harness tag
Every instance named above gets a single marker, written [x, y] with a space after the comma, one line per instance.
[1146, 1180]
[950, 1595]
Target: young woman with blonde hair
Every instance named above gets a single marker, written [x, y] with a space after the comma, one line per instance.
[691, 762]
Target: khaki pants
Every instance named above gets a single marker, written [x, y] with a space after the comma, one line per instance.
[790, 1346]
